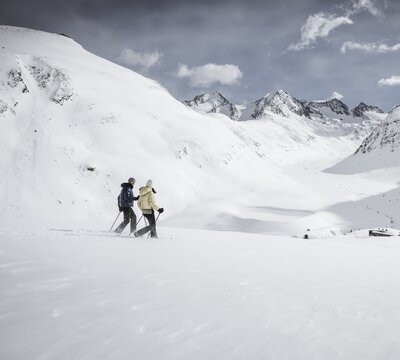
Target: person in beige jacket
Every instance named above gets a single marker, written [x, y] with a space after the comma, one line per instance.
[147, 204]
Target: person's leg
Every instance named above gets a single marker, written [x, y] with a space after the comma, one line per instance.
[152, 224]
[121, 226]
[133, 220]
[147, 228]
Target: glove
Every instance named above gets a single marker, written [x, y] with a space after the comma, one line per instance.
[161, 210]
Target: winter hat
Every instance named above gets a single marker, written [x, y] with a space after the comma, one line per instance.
[149, 183]
[131, 180]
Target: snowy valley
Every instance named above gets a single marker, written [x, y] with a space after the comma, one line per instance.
[231, 275]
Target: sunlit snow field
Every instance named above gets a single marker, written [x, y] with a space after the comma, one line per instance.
[198, 295]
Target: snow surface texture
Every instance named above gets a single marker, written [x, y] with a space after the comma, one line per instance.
[74, 126]
[198, 295]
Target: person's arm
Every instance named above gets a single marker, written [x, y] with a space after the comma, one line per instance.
[119, 203]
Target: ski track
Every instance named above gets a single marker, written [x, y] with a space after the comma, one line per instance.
[198, 294]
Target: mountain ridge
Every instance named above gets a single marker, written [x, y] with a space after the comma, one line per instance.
[278, 99]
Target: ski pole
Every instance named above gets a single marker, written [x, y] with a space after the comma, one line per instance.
[139, 220]
[114, 221]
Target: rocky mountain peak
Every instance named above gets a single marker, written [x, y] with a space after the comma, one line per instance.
[334, 105]
[280, 103]
[213, 102]
[362, 108]
[215, 97]
[385, 137]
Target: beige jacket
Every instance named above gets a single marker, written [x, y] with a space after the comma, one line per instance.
[146, 200]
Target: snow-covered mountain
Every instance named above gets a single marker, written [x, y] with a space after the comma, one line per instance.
[386, 136]
[278, 102]
[380, 149]
[328, 115]
[74, 126]
[333, 108]
[366, 111]
[281, 103]
[213, 102]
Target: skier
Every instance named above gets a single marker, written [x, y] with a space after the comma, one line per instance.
[148, 204]
[125, 204]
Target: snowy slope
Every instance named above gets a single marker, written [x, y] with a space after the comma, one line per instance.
[381, 149]
[75, 126]
[66, 112]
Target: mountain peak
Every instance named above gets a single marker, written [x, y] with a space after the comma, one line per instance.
[213, 102]
[362, 108]
[280, 103]
[330, 107]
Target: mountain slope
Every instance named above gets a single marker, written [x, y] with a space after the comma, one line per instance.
[366, 111]
[386, 137]
[66, 112]
[381, 149]
[75, 126]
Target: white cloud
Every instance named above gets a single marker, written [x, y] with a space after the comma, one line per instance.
[209, 74]
[372, 6]
[318, 26]
[145, 60]
[334, 95]
[369, 47]
[392, 81]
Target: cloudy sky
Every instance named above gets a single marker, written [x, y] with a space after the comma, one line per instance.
[245, 49]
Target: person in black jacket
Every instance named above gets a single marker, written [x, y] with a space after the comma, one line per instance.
[125, 204]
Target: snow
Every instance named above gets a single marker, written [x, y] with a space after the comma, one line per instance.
[379, 150]
[231, 276]
[198, 294]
